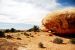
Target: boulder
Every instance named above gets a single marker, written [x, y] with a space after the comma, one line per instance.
[61, 22]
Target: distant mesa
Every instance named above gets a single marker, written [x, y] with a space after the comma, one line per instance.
[61, 22]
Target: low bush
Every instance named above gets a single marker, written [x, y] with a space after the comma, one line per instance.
[31, 36]
[9, 37]
[58, 41]
[7, 30]
[41, 45]
[19, 38]
[13, 30]
[72, 40]
[34, 28]
[2, 34]
[26, 34]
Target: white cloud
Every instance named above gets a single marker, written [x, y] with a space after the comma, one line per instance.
[25, 11]
[45, 4]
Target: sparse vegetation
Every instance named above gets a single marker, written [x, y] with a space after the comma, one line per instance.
[19, 38]
[2, 34]
[7, 30]
[9, 37]
[26, 34]
[41, 45]
[72, 40]
[58, 41]
[34, 28]
[29, 30]
[32, 36]
[50, 34]
[13, 30]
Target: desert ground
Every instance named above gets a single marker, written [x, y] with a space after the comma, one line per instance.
[31, 41]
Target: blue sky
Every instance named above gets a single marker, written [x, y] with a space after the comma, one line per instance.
[66, 2]
[29, 11]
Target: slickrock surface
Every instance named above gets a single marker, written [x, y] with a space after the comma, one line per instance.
[62, 22]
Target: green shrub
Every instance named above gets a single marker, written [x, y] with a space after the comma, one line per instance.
[19, 38]
[9, 37]
[12, 30]
[34, 28]
[72, 40]
[26, 34]
[7, 30]
[32, 36]
[2, 34]
[41, 45]
[58, 41]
